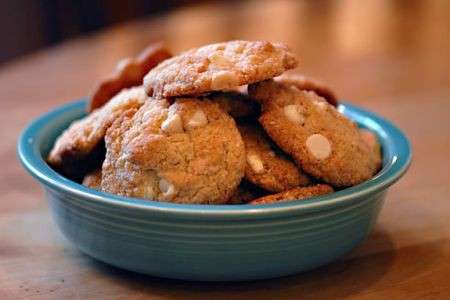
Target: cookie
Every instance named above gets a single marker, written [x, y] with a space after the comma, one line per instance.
[130, 179]
[189, 151]
[93, 180]
[80, 148]
[266, 167]
[322, 141]
[217, 67]
[236, 104]
[371, 139]
[245, 193]
[129, 72]
[298, 193]
[305, 83]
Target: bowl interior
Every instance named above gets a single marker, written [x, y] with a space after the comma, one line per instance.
[38, 138]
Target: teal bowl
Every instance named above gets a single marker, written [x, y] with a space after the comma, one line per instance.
[212, 242]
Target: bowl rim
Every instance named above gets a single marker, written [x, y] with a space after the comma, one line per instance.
[397, 156]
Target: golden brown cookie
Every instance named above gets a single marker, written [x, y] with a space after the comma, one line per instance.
[189, 151]
[115, 162]
[322, 141]
[217, 67]
[305, 83]
[371, 139]
[266, 167]
[93, 180]
[236, 104]
[80, 148]
[298, 193]
[129, 72]
[130, 179]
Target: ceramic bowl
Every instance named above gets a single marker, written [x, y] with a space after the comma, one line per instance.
[212, 242]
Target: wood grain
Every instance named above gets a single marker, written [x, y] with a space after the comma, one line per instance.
[389, 56]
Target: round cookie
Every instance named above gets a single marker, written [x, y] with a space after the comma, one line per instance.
[266, 168]
[186, 152]
[118, 174]
[129, 72]
[236, 104]
[93, 180]
[371, 139]
[322, 141]
[80, 148]
[298, 193]
[217, 67]
[305, 83]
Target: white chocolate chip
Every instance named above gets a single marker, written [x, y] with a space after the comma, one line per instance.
[321, 104]
[166, 188]
[239, 48]
[172, 124]
[219, 60]
[319, 146]
[123, 63]
[223, 80]
[255, 163]
[294, 114]
[198, 119]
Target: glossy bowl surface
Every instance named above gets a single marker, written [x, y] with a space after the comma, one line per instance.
[212, 242]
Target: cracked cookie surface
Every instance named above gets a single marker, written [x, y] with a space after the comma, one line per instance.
[265, 166]
[80, 149]
[218, 66]
[322, 141]
[186, 152]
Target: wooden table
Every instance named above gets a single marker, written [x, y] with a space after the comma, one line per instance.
[391, 57]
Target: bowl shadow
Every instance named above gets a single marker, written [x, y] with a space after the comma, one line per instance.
[353, 274]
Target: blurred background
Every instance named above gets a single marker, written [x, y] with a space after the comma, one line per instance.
[28, 25]
[383, 43]
[354, 26]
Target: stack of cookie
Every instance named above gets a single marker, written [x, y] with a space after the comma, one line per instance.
[215, 125]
